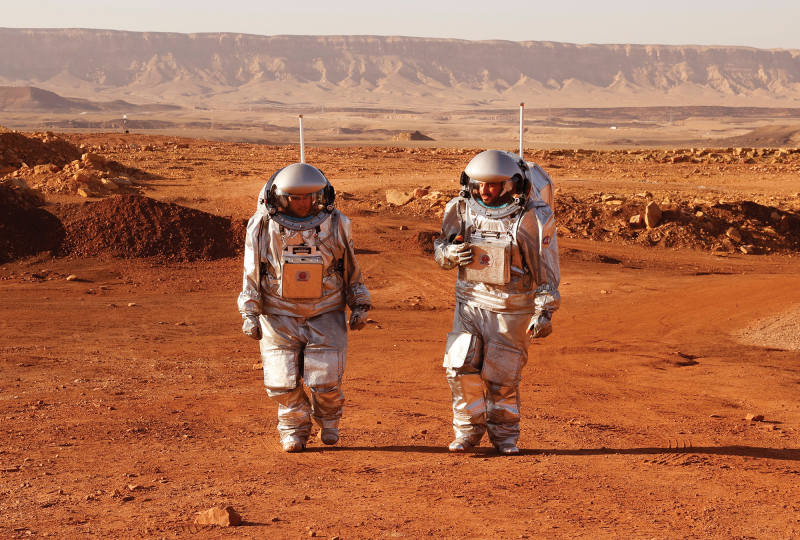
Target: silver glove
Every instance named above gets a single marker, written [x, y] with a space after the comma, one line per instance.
[251, 326]
[540, 326]
[460, 254]
[358, 318]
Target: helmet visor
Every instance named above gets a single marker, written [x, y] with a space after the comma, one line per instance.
[298, 207]
[493, 194]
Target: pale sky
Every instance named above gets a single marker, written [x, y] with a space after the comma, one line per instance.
[766, 24]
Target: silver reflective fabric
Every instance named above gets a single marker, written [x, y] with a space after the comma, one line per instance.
[542, 185]
[294, 349]
[488, 346]
[265, 242]
[485, 355]
[535, 269]
[303, 339]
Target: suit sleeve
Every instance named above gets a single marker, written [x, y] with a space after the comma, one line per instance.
[538, 244]
[256, 245]
[356, 293]
[451, 227]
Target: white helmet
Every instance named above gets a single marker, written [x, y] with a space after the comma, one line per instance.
[298, 180]
[495, 167]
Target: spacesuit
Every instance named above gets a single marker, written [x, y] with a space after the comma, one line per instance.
[300, 272]
[506, 292]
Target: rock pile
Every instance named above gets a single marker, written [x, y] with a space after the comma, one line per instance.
[680, 155]
[433, 200]
[90, 176]
[18, 151]
[130, 226]
[693, 223]
[411, 136]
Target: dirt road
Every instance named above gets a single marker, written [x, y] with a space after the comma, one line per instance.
[128, 402]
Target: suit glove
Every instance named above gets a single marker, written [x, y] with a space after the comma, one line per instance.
[540, 325]
[460, 254]
[358, 318]
[251, 326]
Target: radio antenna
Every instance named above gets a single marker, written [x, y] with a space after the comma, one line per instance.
[521, 129]
[302, 142]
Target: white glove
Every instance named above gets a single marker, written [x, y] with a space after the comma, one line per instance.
[460, 254]
[251, 326]
[358, 318]
[540, 326]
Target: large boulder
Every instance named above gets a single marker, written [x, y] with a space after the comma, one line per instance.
[652, 215]
[224, 517]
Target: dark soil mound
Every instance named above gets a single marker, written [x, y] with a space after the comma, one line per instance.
[131, 226]
[25, 229]
[421, 242]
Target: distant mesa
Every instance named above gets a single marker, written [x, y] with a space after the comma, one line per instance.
[30, 98]
[225, 70]
[411, 136]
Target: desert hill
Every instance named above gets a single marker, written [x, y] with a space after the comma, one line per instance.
[773, 136]
[240, 70]
[30, 98]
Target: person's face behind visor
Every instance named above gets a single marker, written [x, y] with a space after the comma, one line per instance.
[299, 206]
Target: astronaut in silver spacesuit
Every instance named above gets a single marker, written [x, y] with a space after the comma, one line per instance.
[501, 235]
[300, 272]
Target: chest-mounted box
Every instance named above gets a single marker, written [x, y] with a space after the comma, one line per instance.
[301, 272]
[491, 262]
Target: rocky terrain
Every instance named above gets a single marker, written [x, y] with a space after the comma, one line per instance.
[662, 406]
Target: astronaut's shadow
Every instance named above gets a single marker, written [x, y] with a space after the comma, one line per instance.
[402, 449]
[780, 454]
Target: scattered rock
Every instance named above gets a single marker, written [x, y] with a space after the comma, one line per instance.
[121, 181]
[45, 169]
[109, 184]
[131, 304]
[91, 157]
[72, 277]
[81, 178]
[652, 215]
[20, 183]
[734, 234]
[748, 250]
[259, 365]
[84, 192]
[224, 517]
[420, 192]
[403, 227]
[754, 417]
[398, 198]
[8, 169]
[637, 221]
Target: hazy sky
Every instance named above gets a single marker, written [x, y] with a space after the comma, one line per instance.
[765, 24]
